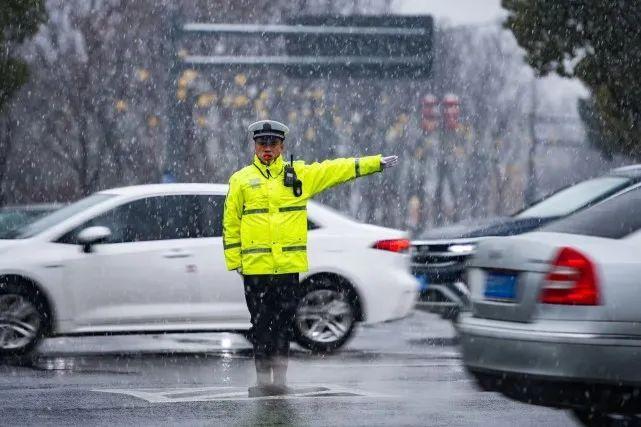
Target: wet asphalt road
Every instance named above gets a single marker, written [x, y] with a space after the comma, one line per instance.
[402, 373]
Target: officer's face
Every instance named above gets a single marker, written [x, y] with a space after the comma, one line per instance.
[268, 148]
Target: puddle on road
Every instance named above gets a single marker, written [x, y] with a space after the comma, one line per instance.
[112, 363]
[372, 355]
[70, 365]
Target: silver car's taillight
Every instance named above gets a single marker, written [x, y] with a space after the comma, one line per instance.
[572, 280]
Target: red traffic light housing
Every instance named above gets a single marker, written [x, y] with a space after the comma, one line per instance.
[429, 113]
[451, 112]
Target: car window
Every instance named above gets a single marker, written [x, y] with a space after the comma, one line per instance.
[128, 223]
[159, 218]
[211, 218]
[190, 216]
[173, 217]
[575, 197]
[614, 218]
[11, 220]
[55, 218]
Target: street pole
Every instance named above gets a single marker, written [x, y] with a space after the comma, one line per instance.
[170, 158]
[450, 123]
[429, 125]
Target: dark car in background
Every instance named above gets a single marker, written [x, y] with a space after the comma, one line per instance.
[439, 255]
[14, 217]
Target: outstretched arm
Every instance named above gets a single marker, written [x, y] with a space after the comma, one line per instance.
[231, 225]
[318, 177]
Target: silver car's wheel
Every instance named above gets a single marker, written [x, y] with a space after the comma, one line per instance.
[20, 323]
[325, 317]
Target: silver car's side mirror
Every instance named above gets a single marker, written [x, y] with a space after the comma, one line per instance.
[92, 236]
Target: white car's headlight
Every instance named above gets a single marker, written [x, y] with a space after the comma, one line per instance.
[462, 249]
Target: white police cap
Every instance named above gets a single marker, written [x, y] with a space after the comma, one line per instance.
[268, 128]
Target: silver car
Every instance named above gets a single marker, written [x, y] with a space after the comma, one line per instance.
[556, 317]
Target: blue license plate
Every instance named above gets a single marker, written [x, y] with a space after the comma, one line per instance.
[500, 286]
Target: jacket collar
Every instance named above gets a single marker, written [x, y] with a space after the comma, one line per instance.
[275, 169]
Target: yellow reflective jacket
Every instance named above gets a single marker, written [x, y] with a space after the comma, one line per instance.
[265, 225]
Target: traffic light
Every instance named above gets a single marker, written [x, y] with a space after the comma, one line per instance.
[451, 112]
[429, 113]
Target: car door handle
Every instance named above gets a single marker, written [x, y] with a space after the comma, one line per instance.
[177, 253]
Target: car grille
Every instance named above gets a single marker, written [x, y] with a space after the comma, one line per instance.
[436, 256]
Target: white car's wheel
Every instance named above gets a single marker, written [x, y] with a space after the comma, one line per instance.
[23, 320]
[325, 316]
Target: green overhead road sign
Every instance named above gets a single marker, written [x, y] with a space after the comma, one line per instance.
[330, 46]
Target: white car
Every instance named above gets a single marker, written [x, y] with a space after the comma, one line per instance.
[149, 259]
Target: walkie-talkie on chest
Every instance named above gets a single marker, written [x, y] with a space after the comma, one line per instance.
[291, 180]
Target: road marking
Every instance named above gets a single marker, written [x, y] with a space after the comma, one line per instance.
[207, 394]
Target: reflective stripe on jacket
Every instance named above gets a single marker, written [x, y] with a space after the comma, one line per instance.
[265, 225]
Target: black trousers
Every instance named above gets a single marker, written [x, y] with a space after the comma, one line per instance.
[271, 300]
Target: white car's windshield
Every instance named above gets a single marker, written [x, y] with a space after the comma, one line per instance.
[575, 197]
[56, 217]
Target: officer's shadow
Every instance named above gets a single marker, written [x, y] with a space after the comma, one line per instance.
[273, 412]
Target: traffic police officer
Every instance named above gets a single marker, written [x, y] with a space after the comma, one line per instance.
[265, 239]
